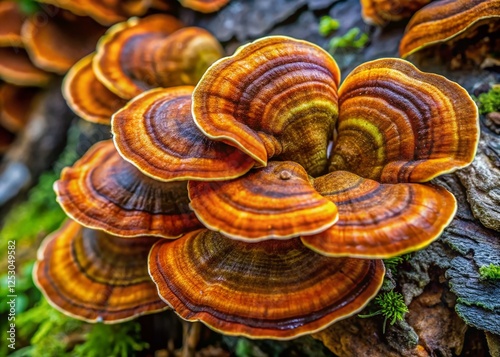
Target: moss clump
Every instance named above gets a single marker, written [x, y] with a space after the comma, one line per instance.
[490, 102]
[353, 38]
[392, 263]
[391, 305]
[327, 25]
[490, 272]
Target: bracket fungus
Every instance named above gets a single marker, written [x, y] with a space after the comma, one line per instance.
[57, 44]
[142, 54]
[276, 97]
[443, 20]
[274, 202]
[11, 19]
[205, 6]
[105, 12]
[398, 124]
[139, 135]
[271, 289]
[16, 104]
[103, 191]
[96, 277]
[290, 234]
[371, 223]
[381, 12]
[88, 97]
[17, 68]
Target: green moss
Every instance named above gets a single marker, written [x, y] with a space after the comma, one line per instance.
[28, 7]
[490, 272]
[112, 340]
[327, 25]
[391, 305]
[354, 38]
[51, 333]
[490, 102]
[392, 263]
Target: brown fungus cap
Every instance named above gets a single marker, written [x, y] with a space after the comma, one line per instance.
[440, 21]
[398, 124]
[381, 12]
[275, 97]
[96, 277]
[142, 54]
[272, 289]
[15, 106]
[121, 54]
[17, 68]
[380, 220]
[88, 97]
[55, 45]
[155, 131]
[103, 191]
[205, 6]
[105, 12]
[11, 20]
[275, 202]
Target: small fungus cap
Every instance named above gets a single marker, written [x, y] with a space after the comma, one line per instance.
[275, 202]
[55, 45]
[378, 221]
[96, 277]
[105, 12]
[398, 124]
[440, 21]
[103, 191]
[88, 97]
[17, 68]
[205, 6]
[142, 54]
[272, 289]
[120, 57]
[15, 106]
[381, 12]
[155, 131]
[11, 20]
[275, 97]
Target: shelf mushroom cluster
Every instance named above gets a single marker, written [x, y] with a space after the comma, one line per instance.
[32, 49]
[260, 229]
[436, 22]
[134, 56]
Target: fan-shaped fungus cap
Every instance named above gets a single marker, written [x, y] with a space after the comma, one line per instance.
[380, 220]
[398, 124]
[156, 132]
[96, 277]
[88, 97]
[381, 12]
[15, 106]
[277, 201]
[142, 54]
[205, 6]
[274, 97]
[57, 44]
[272, 289]
[440, 21]
[103, 191]
[11, 20]
[16, 68]
[105, 12]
